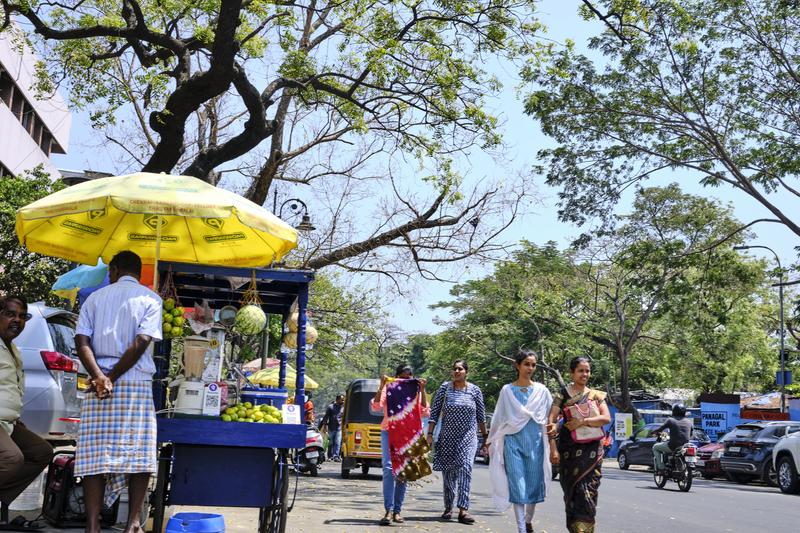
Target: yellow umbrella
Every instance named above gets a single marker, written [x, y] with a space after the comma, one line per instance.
[157, 216]
[269, 378]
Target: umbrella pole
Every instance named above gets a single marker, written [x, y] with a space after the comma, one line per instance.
[158, 253]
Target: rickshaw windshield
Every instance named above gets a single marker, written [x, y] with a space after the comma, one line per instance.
[359, 411]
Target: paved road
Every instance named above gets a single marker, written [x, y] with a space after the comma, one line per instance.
[629, 503]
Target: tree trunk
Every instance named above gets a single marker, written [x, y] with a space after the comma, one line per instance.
[626, 405]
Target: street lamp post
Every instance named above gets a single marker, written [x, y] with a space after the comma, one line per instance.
[297, 206]
[782, 333]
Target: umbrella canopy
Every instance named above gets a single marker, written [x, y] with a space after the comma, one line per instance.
[268, 377]
[191, 220]
[67, 285]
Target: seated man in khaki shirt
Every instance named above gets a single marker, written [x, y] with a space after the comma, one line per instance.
[23, 454]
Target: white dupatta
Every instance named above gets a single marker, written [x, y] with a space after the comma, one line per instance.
[510, 417]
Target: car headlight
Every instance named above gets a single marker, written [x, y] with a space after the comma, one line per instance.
[717, 454]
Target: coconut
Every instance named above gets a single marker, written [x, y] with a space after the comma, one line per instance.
[292, 321]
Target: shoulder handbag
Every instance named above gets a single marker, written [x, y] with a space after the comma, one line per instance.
[579, 411]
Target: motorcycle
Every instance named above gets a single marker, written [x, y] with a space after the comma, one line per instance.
[310, 458]
[678, 467]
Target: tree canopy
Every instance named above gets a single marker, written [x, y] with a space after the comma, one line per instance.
[21, 272]
[655, 303]
[704, 89]
[349, 101]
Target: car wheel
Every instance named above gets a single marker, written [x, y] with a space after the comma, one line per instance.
[622, 460]
[770, 476]
[787, 476]
[365, 470]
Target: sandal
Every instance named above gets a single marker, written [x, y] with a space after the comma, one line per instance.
[465, 518]
[21, 524]
[447, 515]
[397, 518]
[386, 520]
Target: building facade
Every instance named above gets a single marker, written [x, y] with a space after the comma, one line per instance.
[31, 128]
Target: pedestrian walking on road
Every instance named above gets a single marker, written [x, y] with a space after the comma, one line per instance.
[461, 408]
[117, 435]
[519, 464]
[394, 490]
[308, 409]
[579, 453]
[331, 424]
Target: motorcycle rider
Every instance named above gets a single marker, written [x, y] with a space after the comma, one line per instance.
[680, 431]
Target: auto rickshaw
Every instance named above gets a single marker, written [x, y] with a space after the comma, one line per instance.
[361, 428]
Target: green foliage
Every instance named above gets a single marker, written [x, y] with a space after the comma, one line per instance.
[22, 272]
[706, 89]
[419, 62]
[658, 303]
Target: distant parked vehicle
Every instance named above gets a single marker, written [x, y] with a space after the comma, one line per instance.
[708, 458]
[53, 377]
[748, 453]
[786, 461]
[638, 450]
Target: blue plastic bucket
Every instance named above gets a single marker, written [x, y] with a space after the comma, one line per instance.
[196, 523]
[264, 396]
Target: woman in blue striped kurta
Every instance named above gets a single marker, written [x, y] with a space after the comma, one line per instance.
[519, 468]
[523, 455]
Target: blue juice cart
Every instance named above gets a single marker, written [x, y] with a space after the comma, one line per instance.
[208, 462]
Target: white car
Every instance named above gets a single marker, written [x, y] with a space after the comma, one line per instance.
[786, 458]
[53, 377]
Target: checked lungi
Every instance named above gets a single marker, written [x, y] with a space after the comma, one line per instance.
[117, 435]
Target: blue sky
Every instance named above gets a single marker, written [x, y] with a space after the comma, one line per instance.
[523, 139]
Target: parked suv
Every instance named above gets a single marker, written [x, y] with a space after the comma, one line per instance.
[638, 450]
[748, 452]
[786, 461]
[51, 406]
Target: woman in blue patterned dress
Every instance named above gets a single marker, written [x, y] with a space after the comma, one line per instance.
[520, 467]
[460, 405]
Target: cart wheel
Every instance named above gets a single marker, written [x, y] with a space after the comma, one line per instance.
[274, 518]
[159, 497]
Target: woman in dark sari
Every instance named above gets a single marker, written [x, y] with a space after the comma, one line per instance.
[585, 413]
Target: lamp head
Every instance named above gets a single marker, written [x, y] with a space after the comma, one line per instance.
[305, 224]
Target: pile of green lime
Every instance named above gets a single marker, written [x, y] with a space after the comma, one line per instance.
[247, 412]
[172, 320]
